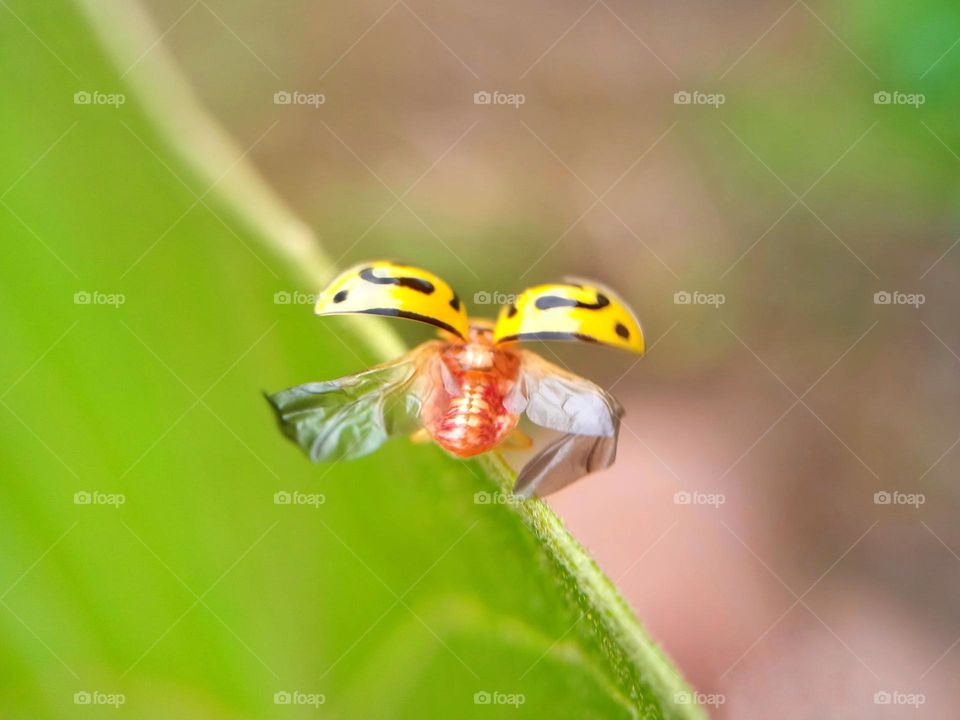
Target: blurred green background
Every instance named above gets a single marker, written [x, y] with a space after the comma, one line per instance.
[795, 199]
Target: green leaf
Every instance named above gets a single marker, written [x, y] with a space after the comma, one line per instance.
[163, 543]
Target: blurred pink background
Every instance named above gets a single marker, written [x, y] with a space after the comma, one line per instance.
[782, 586]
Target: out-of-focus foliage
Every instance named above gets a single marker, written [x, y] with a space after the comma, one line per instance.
[161, 540]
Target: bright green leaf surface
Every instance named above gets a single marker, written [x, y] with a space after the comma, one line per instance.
[200, 597]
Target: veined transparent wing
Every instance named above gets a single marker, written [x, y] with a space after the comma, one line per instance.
[588, 416]
[354, 415]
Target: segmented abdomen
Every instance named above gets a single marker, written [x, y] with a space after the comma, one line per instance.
[476, 420]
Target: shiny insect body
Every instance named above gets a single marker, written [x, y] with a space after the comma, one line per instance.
[467, 391]
[471, 416]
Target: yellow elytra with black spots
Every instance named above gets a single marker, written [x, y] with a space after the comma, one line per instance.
[570, 311]
[388, 288]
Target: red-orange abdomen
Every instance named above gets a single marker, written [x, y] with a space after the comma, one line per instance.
[466, 415]
[476, 420]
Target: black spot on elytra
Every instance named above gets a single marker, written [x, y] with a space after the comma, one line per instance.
[622, 331]
[340, 296]
[548, 302]
[548, 335]
[455, 302]
[512, 310]
[418, 284]
[395, 312]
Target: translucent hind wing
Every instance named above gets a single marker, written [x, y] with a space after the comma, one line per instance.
[354, 415]
[588, 416]
[387, 288]
[559, 400]
[564, 461]
[582, 311]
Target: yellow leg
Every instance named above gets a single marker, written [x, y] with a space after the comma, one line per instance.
[517, 440]
[420, 437]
